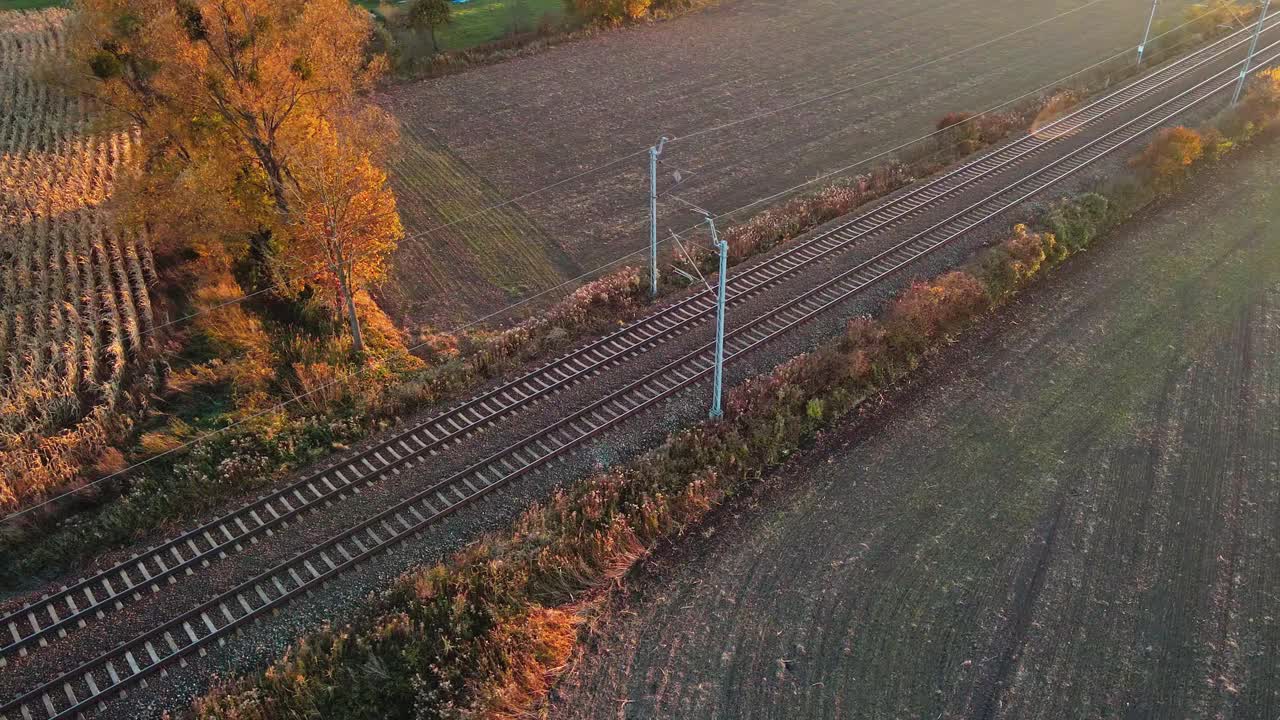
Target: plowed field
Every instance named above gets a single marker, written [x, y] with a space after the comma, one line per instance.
[1075, 514]
[521, 125]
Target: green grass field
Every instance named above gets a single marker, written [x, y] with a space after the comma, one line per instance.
[480, 21]
[474, 23]
[30, 4]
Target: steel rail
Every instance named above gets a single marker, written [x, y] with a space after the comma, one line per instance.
[253, 598]
[55, 614]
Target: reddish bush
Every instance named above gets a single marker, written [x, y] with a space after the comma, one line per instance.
[927, 310]
[960, 132]
[952, 119]
[995, 127]
[864, 346]
[1164, 163]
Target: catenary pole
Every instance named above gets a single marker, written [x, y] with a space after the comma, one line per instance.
[654, 152]
[1253, 45]
[1146, 36]
[717, 389]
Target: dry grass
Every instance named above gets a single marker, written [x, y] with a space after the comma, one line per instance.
[77, 307]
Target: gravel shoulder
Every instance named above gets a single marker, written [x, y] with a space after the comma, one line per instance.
[1072, 514]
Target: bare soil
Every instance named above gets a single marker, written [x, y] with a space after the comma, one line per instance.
[522, 125]
[1075, 513]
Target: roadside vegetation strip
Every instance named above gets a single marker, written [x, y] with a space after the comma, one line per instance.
[470, 612]
[149, 653]
[86, 599]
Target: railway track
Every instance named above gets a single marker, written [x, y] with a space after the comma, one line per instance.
[88, 599]
[149, 654]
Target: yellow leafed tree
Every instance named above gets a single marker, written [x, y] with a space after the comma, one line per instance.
[343, 220]
[250, 112]
[227, 78]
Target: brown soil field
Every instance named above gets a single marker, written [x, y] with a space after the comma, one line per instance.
[1072, 513]
[524, 124]
[498, 258]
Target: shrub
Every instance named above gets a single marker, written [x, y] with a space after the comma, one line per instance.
[1259, 108]
[774, 226]
[1165, 161]
[609, 11]
[960, 132]
[928, 310]
[320, 386]
[864, 344]
[814, 409]
[952, 119]
[1076, 222]
[1017, 260]
[109, 462]
[1216, 145]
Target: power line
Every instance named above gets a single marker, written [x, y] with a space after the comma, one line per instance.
[882, 78]
[612, 163]
[759, 201]
[922, 138]
[617, 261]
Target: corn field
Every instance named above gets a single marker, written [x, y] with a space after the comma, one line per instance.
[75, 306]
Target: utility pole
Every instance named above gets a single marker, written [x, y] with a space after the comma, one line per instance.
[717, 390]
[654, 152]
[1253, 45]
[1146, 36]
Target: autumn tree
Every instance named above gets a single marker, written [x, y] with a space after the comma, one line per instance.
[1262, 102]
[429, 15]
[224, 91]
[344, 220]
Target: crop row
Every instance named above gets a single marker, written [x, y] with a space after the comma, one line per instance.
[76, 317]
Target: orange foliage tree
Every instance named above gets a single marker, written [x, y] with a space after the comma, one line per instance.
[1166, 160]
[344, 215]
[239, 102]
[225, 76]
